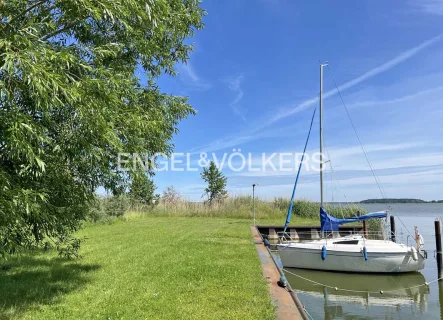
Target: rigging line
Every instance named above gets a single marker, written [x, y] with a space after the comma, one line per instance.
[339, 202]
[355, 131]
[334, 177]
[334, 174]
[310, 317]
[338, 182]
[332, 185]
[360, 291]
[383, 194]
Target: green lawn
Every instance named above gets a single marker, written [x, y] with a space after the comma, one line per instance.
[144, 268]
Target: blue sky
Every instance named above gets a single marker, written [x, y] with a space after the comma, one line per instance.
[254, 80]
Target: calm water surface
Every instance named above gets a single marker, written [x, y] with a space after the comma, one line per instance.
[425, 302]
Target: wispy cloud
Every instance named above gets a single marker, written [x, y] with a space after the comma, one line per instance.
[427, 176]
[190, 77]
[352, 188]
[257, 133]
[189, 71]
[429, 6]
[395, 100]
[234, 84]
[353, 184]
[345, 158]
[369, 74]
[223, 143]
[345, 152]
[236, 141]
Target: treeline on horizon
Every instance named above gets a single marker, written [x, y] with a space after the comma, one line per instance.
[399, 200]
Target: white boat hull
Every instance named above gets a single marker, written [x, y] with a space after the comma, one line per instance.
[382, 256]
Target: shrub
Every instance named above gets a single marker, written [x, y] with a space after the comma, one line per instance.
[281, 203]
[170, 195]
[116, 206]
[96, 211]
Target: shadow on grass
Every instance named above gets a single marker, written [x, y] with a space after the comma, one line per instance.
[29, 282]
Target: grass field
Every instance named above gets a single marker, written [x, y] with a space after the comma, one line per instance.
[144, 268]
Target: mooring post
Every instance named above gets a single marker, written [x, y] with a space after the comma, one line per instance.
[438, 247]
[392, 228]
[365, 229]
[365, 226]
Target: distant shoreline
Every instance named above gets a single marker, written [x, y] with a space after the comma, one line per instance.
[399, 200]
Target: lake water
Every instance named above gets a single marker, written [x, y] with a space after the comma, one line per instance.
[422, 302]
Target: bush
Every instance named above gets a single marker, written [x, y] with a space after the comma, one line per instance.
[116, 206]
[281, 203]
[108, 208]
[170, 196]
[96, 211]
[305, 209]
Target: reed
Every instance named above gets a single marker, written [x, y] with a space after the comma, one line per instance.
[241, 207]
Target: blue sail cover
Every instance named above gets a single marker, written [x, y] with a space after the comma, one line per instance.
[330, 223]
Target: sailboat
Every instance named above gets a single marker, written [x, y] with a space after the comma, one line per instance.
[352, 253]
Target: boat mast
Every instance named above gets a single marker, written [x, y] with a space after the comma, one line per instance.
[321, 132]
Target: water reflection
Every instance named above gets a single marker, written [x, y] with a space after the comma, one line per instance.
[363, 300]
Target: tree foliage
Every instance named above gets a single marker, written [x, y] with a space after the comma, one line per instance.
[171, 196]
[216, 189]
[143, 190]
[72, 98]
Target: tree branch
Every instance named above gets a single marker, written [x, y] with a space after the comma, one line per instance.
[58, 31]
[27, 10]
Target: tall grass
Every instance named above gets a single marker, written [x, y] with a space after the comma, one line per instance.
[239, 207]
[242, 207]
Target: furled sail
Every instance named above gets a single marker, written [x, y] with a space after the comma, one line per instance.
[330, 223]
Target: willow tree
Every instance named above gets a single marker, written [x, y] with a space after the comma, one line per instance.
[78, 86]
